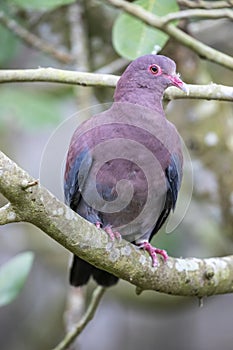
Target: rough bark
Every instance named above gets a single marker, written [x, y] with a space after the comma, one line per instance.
[33, 203]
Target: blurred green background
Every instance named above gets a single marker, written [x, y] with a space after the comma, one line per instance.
[29, 115]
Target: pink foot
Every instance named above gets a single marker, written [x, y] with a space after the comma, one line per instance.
[98, 224]
[112, 234]
[153, 252]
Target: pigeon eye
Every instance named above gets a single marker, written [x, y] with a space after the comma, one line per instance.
[154, 69]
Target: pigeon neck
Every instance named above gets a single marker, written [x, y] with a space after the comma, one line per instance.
[144, 97]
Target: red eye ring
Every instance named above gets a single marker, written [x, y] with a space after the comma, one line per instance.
[154, 69]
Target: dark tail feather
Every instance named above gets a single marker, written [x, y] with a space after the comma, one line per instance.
[104, 278]
[81, 271]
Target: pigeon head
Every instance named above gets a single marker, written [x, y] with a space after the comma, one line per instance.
[146, 78]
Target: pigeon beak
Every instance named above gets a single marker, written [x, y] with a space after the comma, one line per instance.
[177, 82]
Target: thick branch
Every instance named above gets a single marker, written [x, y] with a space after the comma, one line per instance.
[158, 22]
[33, 40]
[52, 75]
[187, 277]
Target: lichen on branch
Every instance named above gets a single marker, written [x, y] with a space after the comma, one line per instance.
[36, 205]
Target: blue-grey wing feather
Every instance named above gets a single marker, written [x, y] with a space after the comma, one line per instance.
[76, 178]
[173, 176]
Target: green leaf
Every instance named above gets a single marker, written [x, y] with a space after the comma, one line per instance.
[41, 4]
[13, 275]
[132, 38]
[31, 109]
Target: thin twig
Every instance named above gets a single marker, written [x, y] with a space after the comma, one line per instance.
[52, 75]
[8, 215]
[206, 92]
[206, 4]
[87, 317]
[79, 48]
[33, 40]
[158, 22]
[25, 185]
[210, 14]
[78, 35]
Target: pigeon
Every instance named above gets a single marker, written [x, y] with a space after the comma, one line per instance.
[124, 165]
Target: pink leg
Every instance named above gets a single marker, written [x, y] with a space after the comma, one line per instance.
[153, 252]
[112, 234]
[98, 224]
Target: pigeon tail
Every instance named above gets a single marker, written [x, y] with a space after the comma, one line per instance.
[81, 271]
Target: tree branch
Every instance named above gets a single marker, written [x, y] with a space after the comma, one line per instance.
[206, 4]
[87, 317]
[52, 75]
[76, 17]
[158, 22]
[33, 40]
[210, 14]
[8, 215]
[187, 277]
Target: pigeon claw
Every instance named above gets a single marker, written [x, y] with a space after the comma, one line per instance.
[153, 252]
[98, 224]
[112, 234]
